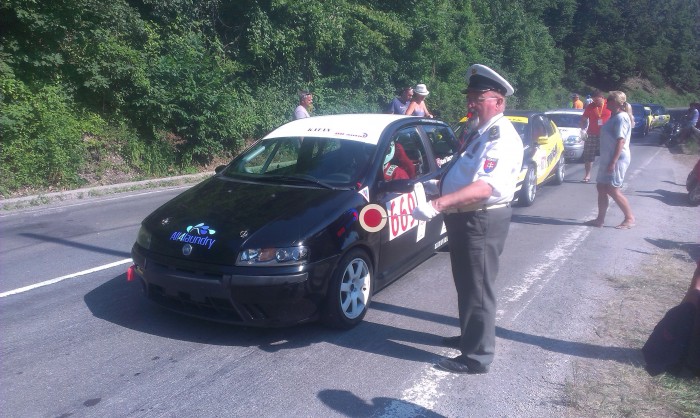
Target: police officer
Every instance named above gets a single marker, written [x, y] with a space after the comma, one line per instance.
[475, 195]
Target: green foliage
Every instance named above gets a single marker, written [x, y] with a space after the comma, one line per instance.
[42, 136]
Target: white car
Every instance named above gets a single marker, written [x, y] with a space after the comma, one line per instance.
[567, 120]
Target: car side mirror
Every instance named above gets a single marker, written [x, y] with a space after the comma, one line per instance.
[396, 186]
[219, 169]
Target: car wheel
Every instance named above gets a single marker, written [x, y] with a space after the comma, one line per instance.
[350, 291]
[559, 172]
[529, 189]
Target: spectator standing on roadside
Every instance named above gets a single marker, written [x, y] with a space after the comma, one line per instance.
[615, 158]
[594, 115]
[691, 121]
[417, 106]
[306, 100]
[588, 101]
[475, 194]
[400, 103]
[577, 104]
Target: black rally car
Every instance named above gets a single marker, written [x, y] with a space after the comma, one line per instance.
[305, 224]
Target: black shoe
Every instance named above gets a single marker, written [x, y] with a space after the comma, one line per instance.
[458, 365]
[452, 342]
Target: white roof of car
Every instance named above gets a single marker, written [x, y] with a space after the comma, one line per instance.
[565, 110]
[357, 127]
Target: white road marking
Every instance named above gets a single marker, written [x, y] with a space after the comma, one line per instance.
[62, 278]
[542, 273]
[423, 395]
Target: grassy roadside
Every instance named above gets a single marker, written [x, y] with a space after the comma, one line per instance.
[617, 389]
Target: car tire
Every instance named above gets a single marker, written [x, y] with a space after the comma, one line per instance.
[350, 291]
[528, 191]
[559, 172]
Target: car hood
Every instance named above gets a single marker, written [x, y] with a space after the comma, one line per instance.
[219, 217]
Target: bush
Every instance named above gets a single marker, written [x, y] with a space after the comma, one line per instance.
[42, 136]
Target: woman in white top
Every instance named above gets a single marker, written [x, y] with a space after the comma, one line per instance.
[615, 158]
[417, 106]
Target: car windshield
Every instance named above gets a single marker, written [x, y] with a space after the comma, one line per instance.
[325, 162]
[563, 120]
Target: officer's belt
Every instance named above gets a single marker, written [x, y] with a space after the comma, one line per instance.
[477, 208]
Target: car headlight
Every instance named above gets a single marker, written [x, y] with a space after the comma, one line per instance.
[273, 256]
[573, 140]
[144, 238]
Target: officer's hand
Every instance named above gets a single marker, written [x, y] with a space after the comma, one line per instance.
[424, 211]
[432, 187]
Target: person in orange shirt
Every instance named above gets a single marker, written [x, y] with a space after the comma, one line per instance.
[578, 104]
[594, 116]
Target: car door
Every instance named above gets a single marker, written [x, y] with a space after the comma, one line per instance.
[404, 238]
[544, 143]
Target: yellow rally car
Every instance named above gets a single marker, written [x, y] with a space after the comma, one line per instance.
[543, 158]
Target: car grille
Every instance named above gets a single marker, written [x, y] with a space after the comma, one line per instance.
[215, 309]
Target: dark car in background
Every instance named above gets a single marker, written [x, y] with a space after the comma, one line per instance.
[642, 119]
[305, 224]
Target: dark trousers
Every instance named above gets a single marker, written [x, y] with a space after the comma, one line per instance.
[476, 240]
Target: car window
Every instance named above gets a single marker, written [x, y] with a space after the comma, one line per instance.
[331, 160]
[442, 140]
[563, 120]
[270, 156]
[538, 127]
[551, 128]
[523, 131]
[409, 153]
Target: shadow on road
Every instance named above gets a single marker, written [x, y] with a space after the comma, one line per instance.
[576, 349]
[665, 196]
[121, 302]
[690, 249]
[542, 220]
[350, 405]
[78, 245]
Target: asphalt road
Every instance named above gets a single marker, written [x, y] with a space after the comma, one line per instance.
[79, 340]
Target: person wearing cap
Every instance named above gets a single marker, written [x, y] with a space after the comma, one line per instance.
[306, 100]
[417, 106]
[578, 104]
[400, 103]
[475, 194]
[594, 116]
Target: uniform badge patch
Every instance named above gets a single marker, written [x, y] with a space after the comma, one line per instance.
[490, 164]
[494, 132]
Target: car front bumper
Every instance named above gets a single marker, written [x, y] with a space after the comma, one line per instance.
[267, 298]
[573, 152]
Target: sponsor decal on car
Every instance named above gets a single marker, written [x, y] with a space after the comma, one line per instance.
[202, 238]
